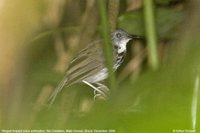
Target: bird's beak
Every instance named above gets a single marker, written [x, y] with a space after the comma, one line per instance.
[136, 37]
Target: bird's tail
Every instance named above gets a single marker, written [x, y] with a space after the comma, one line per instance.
[56, 91]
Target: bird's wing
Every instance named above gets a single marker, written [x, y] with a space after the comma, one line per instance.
[87, 63]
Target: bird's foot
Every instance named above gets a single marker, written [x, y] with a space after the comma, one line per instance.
[104, 89]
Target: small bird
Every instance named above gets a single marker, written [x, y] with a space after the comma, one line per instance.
[89, 66]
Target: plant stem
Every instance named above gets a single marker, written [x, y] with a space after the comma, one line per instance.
[107, 42]
[149, 18]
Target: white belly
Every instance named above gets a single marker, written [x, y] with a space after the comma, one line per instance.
[102, 75]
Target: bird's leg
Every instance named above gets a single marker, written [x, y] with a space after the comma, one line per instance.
[103, 88]
[95, 89]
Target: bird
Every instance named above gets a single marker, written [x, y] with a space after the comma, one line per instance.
[89, 67]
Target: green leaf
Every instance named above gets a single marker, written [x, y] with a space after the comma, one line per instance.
[168, 22]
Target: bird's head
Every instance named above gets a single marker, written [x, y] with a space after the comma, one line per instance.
[120, 38]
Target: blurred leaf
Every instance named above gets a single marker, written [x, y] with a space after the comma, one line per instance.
[164, 1]
[168, 21]
[132, 22]
[167, 2]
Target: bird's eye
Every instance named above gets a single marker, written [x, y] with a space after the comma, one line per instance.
[118, 35]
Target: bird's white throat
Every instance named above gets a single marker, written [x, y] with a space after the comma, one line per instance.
[122, 46]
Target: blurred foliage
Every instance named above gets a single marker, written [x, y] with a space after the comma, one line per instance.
[153, 101]
[167, 2]
[164, 1]
[167, 21]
